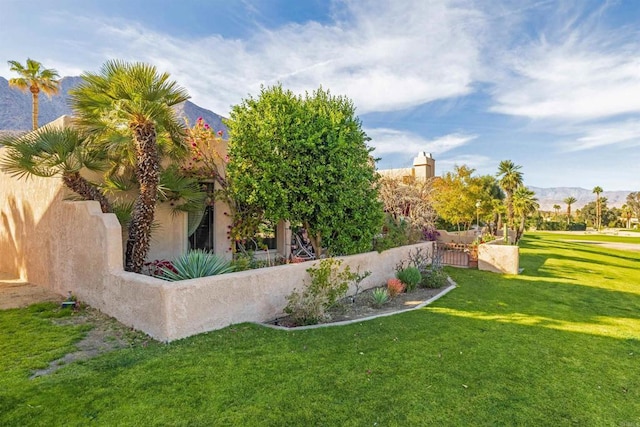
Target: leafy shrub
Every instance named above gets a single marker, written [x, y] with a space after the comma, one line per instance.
[577, 226]
[395, 287]
[193, 264]
[328, 284]
[434, 278]
[396, 233]
[410, 276]
[247, 261]
[379, 297]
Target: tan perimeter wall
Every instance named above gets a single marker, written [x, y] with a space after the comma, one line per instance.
[463, 237]
[172, 310]
[73, 247]
[500, 258]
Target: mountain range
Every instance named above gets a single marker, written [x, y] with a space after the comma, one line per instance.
[547, 197]
[15, 107]
[15, 115]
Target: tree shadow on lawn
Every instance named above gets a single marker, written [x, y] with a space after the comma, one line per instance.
[556, 304]
[529, 243]
[543, 261]
[432, 369]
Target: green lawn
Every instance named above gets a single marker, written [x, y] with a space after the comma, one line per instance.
[557, 345]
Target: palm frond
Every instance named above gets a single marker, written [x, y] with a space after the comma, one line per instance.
[185, 194]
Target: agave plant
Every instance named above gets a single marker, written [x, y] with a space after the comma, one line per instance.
[379, 297]
[196, 263]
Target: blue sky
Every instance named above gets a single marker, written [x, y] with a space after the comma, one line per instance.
[552, 85]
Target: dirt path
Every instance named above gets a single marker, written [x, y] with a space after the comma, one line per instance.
[610, 245]
[106, 333]
[15, 293]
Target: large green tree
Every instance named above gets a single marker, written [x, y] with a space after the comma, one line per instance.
[305, 159]
[455, 195]
[510, 179]
[34, 78]
[125, 108]
[607, 216]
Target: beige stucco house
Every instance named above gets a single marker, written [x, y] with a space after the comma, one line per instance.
[71, 246]
[30, 234]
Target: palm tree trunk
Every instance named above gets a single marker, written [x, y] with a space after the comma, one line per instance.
[510, 211]
[87, 190]
[34, 106]
[145, 204]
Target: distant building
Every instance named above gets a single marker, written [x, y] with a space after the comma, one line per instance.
[424, 167]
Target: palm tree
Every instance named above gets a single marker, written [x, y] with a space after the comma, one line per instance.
[569, 201]
[131, 102]
[524, 203]
[35, 78]
[626, 213]
[598, 191]
[557, 209]
[49, 152]
[510, 179]
[492, 201]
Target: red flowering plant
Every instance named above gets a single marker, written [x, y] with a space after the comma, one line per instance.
[207, 158]
[207, 163]
[395, 287]
[155, 268]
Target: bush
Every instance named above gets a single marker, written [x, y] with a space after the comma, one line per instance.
[395, 287]
[379, 297]
[577, 226]
[328, 284]
[434, 278]
[410, 276]
[193, 264]
[396, 233]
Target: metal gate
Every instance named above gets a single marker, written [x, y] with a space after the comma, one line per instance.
[454, 254]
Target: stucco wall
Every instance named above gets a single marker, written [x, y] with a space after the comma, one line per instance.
[73, 247]
[28, 225]
[500, 258]
[90, 266]
[259, 295]
[463, 237]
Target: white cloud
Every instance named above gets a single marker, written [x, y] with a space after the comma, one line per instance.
[576, 71]
[395, 141]
[384, 55]
[601, 135]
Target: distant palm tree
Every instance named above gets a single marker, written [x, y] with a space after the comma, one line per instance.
[557, 209]
[132, 102]
[48, 152]
[510, 179]
[35, 78]
[626, 213]
[598, 191]
[525, 204]
[569, 201]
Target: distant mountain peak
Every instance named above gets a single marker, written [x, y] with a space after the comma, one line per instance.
[15, 107]
[547, 197]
